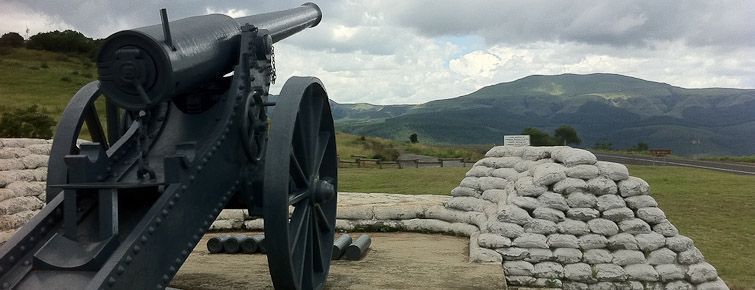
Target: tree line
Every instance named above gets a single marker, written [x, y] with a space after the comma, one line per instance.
[67, 41]
[564, 135]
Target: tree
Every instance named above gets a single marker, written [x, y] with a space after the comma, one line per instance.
[538, 137]
[413, 138]
[12, 39]
[29, 122]
[603, 146]
[65, 41]
[566, 135]
[640, 147]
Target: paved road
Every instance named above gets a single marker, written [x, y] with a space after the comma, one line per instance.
[736, 168]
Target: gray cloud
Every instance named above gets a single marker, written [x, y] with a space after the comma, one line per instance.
[415, 51]
[639, 23]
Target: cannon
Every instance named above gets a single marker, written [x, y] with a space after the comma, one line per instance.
[187, 129]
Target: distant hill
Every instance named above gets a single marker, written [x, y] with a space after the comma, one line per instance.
[603, 107]
[608, 108]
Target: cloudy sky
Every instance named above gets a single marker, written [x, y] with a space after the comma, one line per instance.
[389, 52]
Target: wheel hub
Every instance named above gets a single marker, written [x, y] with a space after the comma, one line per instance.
[323, 190]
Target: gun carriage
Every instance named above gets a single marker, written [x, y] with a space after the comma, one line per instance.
[183, 141]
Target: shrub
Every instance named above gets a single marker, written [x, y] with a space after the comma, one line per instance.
[381, 150]
[566, 135]
[44, 65]
[61, 41]
[11, 39]
[413, 138]
[640, 147]
[29, 122]
[538, 137]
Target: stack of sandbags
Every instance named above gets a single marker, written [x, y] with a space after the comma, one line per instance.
[23, 172]
[564, 219]
[230, 219]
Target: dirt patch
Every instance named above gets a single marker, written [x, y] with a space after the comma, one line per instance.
[395, 261]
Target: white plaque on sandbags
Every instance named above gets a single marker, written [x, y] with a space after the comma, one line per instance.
[516, 140]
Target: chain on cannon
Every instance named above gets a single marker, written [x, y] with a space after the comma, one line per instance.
[184, 139]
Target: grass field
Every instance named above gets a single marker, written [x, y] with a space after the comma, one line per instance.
[744, 159]
[717, 210]
[373, 147]
[40, 77]
[405, 181]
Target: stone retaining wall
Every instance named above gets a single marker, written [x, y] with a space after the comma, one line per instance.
[558, 217]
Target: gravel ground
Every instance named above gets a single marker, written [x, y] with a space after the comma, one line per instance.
[395, 261]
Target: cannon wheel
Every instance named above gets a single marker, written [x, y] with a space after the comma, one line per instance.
[80, 110]
[301, 171]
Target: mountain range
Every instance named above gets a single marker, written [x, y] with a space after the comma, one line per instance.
[604, 108]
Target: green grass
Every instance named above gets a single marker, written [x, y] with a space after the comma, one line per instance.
[745, 159]
[370, 147]
[716, 210]
[444, 151]
[404, 181]
[44, 78]
[352, 145]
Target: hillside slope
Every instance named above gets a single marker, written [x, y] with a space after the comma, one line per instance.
[608, 108]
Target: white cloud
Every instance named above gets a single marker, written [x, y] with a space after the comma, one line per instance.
[235, 13]
[413, 74]
[343, 33]
[476, 64]
[671, 62]
[17, 18]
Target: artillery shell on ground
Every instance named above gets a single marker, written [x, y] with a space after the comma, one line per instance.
[231, 245]
[215, 244]
[247, 244]
[359, 248]
[340, 245]
[260, 241]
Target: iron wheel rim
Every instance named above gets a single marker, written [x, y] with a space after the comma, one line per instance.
[300, 171]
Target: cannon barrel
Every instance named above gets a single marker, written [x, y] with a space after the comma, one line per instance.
[141, 67]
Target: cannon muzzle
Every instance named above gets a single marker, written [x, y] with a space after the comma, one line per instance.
[141, 67]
